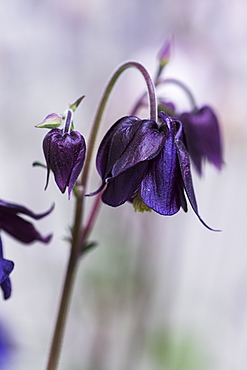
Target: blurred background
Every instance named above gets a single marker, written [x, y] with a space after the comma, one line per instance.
[158, 292]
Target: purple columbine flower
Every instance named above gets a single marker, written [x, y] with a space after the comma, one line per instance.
[19, 228]
[141, 159]
[203, 137]
[6, 268]
[65, 153]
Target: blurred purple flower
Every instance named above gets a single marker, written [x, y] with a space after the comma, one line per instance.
[6, 268]
[19, 228]
[141, 158]
[6, 347]
[65, 153]
[203, 137]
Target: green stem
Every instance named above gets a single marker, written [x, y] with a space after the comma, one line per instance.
[76, 251]
[62, 314]
[79, 234]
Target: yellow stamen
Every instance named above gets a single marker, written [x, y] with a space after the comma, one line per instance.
[139, 205]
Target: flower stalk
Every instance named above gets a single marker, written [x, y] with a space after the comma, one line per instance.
[79, 233]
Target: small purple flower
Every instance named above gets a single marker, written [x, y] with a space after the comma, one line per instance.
[6, 268]
[21, 229]
[65, 153]
[203, 137]
[139, 158]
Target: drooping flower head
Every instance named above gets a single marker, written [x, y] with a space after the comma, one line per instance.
[65, 152]
[141, 158]
[203, 137]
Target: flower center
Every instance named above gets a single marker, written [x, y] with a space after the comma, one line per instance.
[138, 204]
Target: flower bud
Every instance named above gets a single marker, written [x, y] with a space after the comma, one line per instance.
[65, 155]
[165, 53]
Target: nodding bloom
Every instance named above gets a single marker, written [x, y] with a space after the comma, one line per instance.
[148, 164]
[203, 137]
[6, 268]
[65, 152]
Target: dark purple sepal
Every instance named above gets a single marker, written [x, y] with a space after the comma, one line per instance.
[159, 189]
[122, 187]
[144, 146]
[203, 137]
[114, 143]
[184, 163]
[65, 155]
[6, 287]
[17, 208]
[19, 228]
[6, 268]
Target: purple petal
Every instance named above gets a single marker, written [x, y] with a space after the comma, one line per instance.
[145, 145]
[160, 188]
[46, 149]
[114, 143]
[203, 137]
[6, 267]
[79, 147]
[121, 188]
[6, 288]
[20, 229]
[184, 163]
[17, 208]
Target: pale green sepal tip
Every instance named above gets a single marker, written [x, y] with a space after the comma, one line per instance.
[76, 103]
[53, 120]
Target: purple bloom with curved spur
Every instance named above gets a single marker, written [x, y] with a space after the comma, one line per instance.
[6, 268]
[142, 159]
[65, 153]
[203, 137]
[18, 227]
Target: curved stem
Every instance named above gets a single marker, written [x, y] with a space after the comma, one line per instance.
[102, 105]
[79, 234]
[181, 85]
[159, 82]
